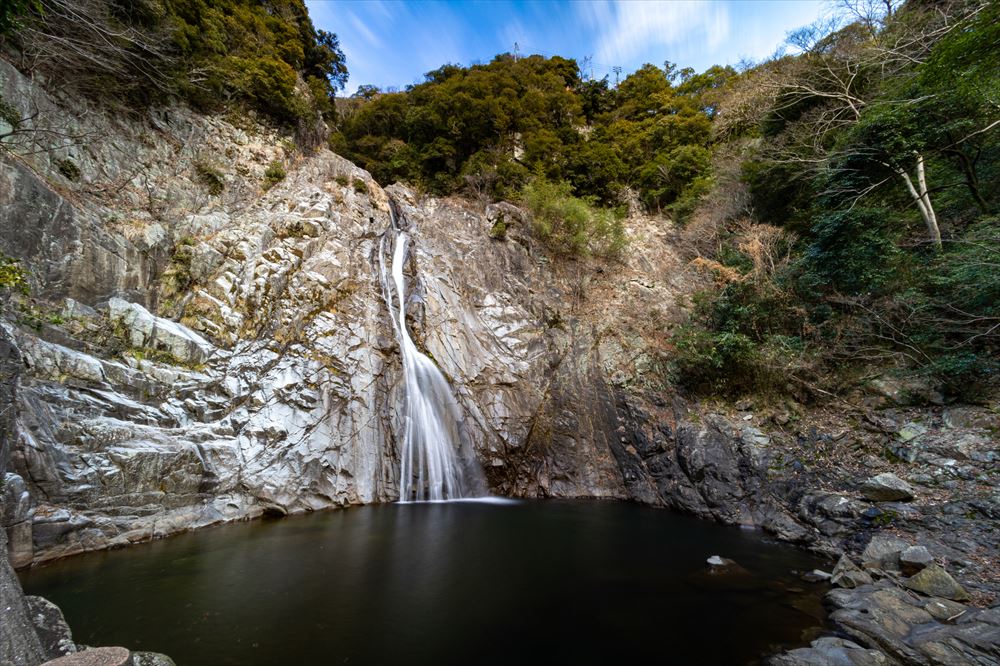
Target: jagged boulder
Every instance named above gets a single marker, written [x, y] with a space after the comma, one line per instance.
[934, 581]
[914, 559]
[882, 552]
[847, 574]
[887, 487]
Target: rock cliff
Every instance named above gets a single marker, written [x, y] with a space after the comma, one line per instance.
[204, 343]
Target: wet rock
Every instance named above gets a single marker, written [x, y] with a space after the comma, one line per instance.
[100, 656]
[831, 513]
[816, 576]
[914, 559]
[882, 552]
[50, 625]
[724, 566]
[847, 574]
[886, 487]
[934, 581]
[830, 651]
[151, 659]
[907, 628]
[944, 610]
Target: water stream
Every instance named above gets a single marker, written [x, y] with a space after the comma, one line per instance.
[468, 582]
[431, 467]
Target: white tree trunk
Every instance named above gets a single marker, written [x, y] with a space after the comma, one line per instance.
[923, 199]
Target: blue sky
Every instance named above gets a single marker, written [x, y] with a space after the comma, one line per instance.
[394, 42]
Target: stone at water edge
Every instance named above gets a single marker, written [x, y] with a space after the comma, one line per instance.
[914, 559]
[848, 574]
[102, 656]
[723, 565]
[51, 627]
[829, 651]
[936, 582]
[151, 659]
[816, 576]
[887, 487]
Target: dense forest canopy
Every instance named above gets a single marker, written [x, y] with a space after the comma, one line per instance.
[261, 55]
[489, 128]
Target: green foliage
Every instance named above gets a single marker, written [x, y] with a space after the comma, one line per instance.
[68, 168]
[722, 363]
[13, 276]
[360, 186]
[570, 225]
[780, 193]
[210, 176]
[487, 128]
[177, 277]
[264, 56]
[499, 230]
[274, 174]
[9, 114]
[257, 52]
[11, 12]
[863, 285]
[850, 251]
[743, 337]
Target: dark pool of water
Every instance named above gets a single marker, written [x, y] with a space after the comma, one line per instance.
[469, 583]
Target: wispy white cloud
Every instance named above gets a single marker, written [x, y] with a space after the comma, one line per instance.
[514, 32]
[366, 33]
[626, 29]
[382, 9]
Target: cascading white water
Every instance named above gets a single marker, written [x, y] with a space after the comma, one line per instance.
[431, 468]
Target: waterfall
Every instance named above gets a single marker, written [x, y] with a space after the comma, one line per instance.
[431, 465]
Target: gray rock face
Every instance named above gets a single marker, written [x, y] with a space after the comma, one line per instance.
[53, 632]
[271, 381]
[830, 651]
[886, 487]
[899, 624]
[146, 331]
[19, 644]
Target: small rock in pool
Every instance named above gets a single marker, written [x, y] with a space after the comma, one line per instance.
[724, 565]
[816, 576]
